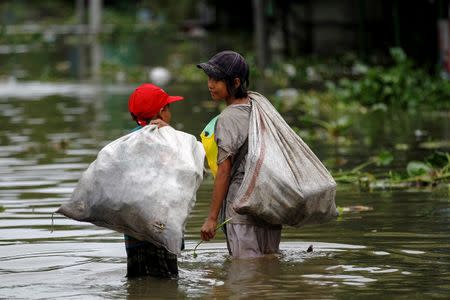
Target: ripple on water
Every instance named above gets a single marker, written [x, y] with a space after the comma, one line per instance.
[35, 234]
[335, 279]
[63, 167]
[381, 253]
[53, 190]
[58, 270]
[82, 152]
[351, 268]
[27, 183]
[413, 251]
[7, 161]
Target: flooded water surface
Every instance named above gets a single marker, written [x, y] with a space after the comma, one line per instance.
[395, 244]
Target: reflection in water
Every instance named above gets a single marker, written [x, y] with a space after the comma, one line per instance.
[148, 287]
[253, 276]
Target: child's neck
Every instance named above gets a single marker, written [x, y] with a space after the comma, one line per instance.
[231, 101]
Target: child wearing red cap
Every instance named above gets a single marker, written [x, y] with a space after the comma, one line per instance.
[149, 104]
[228, 78]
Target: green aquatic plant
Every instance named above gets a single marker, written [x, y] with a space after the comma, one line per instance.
[433, 170]
[217, 227]
[417, 168]
[334, 128]
[356, 175]
[402, 84]
[384, 158]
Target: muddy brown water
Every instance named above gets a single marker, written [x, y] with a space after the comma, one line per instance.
[398, 247]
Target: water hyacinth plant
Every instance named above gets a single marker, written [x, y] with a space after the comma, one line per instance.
[433, 170]
[402, 84]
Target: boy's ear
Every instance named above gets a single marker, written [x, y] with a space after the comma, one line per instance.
[166, 107]
[237, 83]
[158, 115]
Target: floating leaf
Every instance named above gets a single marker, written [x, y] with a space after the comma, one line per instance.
[402, 147]
[434, 144]
[417, 168]
[438, 159]
[379, 106]
[398, 54]
[384, 158]
[344, 122]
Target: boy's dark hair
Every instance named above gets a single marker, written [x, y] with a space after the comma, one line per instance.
[226, 66]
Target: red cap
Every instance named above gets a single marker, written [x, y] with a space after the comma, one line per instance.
[147, 100]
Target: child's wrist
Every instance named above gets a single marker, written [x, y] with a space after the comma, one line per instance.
[211, 219]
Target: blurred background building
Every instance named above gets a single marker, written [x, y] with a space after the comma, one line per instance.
[272, 29]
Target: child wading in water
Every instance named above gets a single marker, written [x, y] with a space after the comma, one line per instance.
[149, 104]
[247, 237]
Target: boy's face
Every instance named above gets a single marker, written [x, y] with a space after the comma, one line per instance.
[218, 89]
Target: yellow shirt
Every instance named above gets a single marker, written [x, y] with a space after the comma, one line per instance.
[210, 145]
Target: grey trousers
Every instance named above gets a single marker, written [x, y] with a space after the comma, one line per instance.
[249, 241]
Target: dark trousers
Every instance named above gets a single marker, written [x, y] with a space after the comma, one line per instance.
[147, 259]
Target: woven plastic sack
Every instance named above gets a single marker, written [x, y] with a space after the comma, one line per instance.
[143, 184]
[284, 182]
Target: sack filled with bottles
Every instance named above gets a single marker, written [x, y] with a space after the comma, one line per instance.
[143, 184]
[284, 181]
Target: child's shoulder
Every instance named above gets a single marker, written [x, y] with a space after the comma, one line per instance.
[234, 116]
[235, 110]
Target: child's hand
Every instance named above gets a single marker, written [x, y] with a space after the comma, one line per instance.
[208, 230]
[160, 123]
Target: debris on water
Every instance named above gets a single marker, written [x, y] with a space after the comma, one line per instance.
[51, 230]
[354, 208]
[310, 249]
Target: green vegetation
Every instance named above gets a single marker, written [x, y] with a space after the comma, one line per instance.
[397, 83]
[339, 101]
[393, 82]
[435, 169]
[131, 32]
[401, 84]
[2, 209]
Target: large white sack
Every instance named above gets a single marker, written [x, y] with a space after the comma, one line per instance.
[143, 184]
[284, 182]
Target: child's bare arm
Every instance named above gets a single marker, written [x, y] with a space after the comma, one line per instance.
[221, 184]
